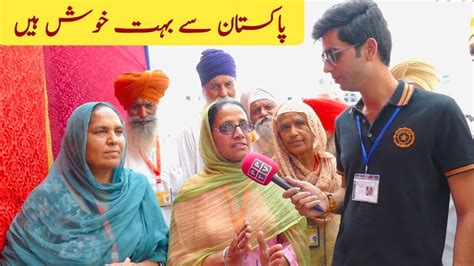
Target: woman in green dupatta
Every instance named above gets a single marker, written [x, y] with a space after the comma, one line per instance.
[218, 211]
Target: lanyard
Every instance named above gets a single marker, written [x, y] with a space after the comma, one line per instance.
[156, 170]
[366, 157]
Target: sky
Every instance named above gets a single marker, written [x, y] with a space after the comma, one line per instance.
[433, 31]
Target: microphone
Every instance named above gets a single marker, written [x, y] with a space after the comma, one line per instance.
[262, 170]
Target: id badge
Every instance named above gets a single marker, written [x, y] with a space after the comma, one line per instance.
[366, 188]
[313, 236]
[164, 198]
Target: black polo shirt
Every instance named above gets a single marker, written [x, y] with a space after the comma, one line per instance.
[427, 142]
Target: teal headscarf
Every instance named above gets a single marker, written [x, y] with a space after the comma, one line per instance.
[71, 219]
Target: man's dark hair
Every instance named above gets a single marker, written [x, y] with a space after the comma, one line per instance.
[356, 22]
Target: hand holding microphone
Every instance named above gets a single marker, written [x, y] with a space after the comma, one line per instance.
[263, 170]
[305, 196]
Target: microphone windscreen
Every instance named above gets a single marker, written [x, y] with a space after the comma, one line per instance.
[259, 168]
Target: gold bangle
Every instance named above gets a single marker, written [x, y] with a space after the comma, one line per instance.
[332, 202]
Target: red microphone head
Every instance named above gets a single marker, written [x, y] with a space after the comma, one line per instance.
[259, 168]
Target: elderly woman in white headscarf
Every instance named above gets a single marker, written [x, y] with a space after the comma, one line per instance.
[300, 152]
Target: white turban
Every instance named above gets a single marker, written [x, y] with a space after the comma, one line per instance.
[256, 95]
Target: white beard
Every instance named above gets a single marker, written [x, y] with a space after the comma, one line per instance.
[218, 99]
[263, 127]
[142, 136]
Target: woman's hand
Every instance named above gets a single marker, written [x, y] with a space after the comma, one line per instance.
[305, 197]
[274, 256]
[239, 246]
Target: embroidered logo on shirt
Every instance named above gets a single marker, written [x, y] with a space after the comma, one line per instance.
[404, 137]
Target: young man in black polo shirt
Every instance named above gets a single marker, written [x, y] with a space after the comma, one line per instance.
[409, 147]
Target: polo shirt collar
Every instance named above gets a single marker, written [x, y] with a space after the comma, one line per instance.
[402, 94]
[400, 97]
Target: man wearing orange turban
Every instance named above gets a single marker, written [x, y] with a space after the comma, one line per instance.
[139, 94]
[150, 85]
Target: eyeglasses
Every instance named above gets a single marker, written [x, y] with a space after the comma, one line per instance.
[229, 128]
[331, 55]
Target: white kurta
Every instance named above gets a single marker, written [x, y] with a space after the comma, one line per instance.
[171, 174]
[190, 159]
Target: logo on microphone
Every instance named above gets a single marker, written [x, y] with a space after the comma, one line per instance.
[259, 171]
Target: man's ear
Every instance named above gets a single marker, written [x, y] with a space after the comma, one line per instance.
[371, 48]
[471, 46]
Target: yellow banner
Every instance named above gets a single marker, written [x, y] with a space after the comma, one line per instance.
[151, 22]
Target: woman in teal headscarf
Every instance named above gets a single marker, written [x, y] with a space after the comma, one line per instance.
[89, 210]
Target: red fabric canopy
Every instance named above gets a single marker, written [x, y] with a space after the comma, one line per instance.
[23, 152]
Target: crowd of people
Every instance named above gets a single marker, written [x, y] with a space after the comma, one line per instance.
[371, 184]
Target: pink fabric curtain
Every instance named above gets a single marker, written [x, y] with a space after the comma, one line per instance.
[79, 74]
[72, 76]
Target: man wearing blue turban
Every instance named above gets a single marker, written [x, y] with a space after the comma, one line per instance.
[217, 72]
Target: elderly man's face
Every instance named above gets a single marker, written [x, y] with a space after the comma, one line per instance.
[220, 87]
[142, 124]
[261, 108]
[142, 108]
